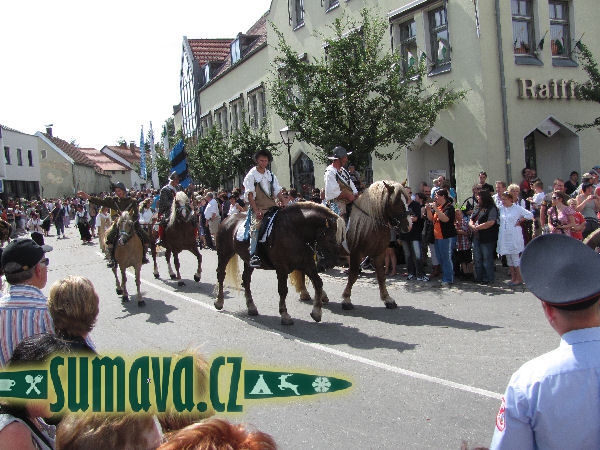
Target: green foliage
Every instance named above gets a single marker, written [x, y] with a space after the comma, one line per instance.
[590, 90]
[245, 142]
[356, 95]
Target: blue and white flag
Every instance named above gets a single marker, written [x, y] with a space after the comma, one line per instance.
[179, 164]
[155, 182]
[142, 155]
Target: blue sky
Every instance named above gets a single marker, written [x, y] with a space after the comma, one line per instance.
[98, 71]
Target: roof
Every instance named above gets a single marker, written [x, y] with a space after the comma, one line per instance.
[129, 153]
[79, 156]
[207, 50]
[102, 161]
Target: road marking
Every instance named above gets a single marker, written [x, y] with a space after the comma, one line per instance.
[346, 355]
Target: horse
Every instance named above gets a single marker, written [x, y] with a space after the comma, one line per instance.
[303, 235]
[374, 213]
[179, 234]
[128, 253]
[593, 239]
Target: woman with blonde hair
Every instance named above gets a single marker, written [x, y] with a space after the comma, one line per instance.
[561, 217]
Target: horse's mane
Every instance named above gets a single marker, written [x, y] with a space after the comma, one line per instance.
[125, 216]
[181, 198]
[369, 208]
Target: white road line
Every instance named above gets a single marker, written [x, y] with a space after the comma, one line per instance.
[346, 355]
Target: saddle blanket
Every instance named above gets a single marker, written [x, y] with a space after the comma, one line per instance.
[242, 234]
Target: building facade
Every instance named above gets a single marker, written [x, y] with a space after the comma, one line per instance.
[19, 166]
[516, 59]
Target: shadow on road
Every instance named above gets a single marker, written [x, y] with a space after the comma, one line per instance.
[156, 310]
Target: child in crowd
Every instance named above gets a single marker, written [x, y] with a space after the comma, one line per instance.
[463, 255]
[536, 202]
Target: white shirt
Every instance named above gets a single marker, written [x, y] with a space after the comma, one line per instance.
[145, 216]
[211, 208]
[332, 187]
[264, 179]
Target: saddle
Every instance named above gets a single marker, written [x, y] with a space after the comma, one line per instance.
[266, 225]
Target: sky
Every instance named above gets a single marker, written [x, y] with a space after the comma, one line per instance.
[99, 71]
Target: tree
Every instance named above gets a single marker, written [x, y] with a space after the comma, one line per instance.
[246, 142]
[357, 94]
[590, 90]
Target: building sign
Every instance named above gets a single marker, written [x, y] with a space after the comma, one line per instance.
[553, 89]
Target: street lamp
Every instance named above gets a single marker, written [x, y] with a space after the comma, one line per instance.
[287, 136]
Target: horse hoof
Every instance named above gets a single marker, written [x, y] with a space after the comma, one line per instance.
[391, 305]
[125, 299]
[253, 312]
[157, 276]
[173, 277]
[141, 303]
[218, 305]
[316, 317]
[180, 283]
[347, 306]
[287, 321]
[324, 299]
[196, 278]
[306, 299]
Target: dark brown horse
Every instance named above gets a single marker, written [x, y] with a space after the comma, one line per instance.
[180, 234]
[303, 235]
[378, 209]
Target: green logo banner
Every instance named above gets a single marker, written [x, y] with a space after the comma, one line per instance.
[27, 384]
[260, 384]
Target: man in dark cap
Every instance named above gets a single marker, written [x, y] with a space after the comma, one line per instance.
[553, 401]
[261, 189]
[24, 310]
[339, 187]
[165, 203]
[119, 202]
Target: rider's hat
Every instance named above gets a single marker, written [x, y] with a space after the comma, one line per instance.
[551, 267]
[263, 152]
[338, 153]
[174, 176]
[120, 185]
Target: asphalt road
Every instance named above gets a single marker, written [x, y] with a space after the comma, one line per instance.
[427, 375]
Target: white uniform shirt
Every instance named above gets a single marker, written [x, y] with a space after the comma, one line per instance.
[211, 208]
[332, 187]
[264, 179]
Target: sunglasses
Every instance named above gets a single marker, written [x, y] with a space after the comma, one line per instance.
[44, 262]
[555, 198]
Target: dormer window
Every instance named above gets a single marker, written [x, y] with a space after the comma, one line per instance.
[236, 52]
[207, 73]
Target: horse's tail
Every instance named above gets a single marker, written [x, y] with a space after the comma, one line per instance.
[233, 278]
[340, 234]
[296, 279]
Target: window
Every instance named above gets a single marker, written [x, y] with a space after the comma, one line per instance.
[253, 108]
[298, 19]
[559, 29]
[30, 157]
[408, 44]
[440, 40]
[236, 52]
[257, 107]
[206, 124]
[19, 157]
[7, 156]
[43, 154]
[221, 120]
[236, 115]
[522, 25]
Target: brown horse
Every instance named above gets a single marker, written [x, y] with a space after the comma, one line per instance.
[378, 209]
[302, 236]
[593, 239]
[128, 253]
[180, 234]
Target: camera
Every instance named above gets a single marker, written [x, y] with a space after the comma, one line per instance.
[555, 222]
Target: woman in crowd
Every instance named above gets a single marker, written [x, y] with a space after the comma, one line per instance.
[588, 204]
[34, 223]
[82, 220]
[510, 237]
[441, 213]
[561, 217]
[484, 224]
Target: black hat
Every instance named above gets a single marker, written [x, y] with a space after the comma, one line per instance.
[20, 255]
[552, 270]
[174, 175]
[338, 153]
[263, 152]
[38, 238]
[120, 185]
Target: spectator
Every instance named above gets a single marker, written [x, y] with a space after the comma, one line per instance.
[510, 237]
[463, 256]
[572, 183]
[552, 401]
[58, 216]
[73, 305]
[390, 255]
[588, 204]
[561, 217]
[580, 222]
[441, 213]
[212, 215]
[535, 202]
[34, 223]
[82, 221]
[415, 263]
[23, 310]
[218, 434]
[483, 182]
[484, 223]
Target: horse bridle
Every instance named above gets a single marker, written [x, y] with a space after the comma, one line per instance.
[392, 222]
[127, 235]
[318, 255]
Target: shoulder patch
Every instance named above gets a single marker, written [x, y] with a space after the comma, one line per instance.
[500, 417]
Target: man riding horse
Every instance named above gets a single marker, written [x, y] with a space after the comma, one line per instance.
[339, 187]
[165, 201]
[120, 202]
[261, 188]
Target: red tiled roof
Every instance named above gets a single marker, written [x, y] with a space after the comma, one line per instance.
[206, 50]
[103, 161]
[75, 153]
[127, 153]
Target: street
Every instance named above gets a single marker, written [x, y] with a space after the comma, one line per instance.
[427, 375]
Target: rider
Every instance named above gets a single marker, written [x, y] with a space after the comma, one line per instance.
[119, 202]
[339, 187]
[165, 202]
[261, 188]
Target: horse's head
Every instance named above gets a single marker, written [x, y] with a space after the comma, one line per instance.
[125, 227]
[330, 232]
[181, 209]
[396, 208]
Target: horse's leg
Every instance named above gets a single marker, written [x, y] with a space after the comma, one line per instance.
[138, 284]
[168, 257]
[153, 253]
[117, 282]
[125, 296]
[379, 263]
[180, 282]
[353, 270]
[246, 278]
[196, 253]
[282, 288]
[304, 295]
[318, 301]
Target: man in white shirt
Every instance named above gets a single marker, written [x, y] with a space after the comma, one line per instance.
[339, 187]
[260, 189]
[212, 214]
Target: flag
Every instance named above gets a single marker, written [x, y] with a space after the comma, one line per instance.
[155, 182]
[178, 159]
[442, 50]
[142, 155]
[410, 59]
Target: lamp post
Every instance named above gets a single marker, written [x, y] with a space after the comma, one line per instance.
[287, 136]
